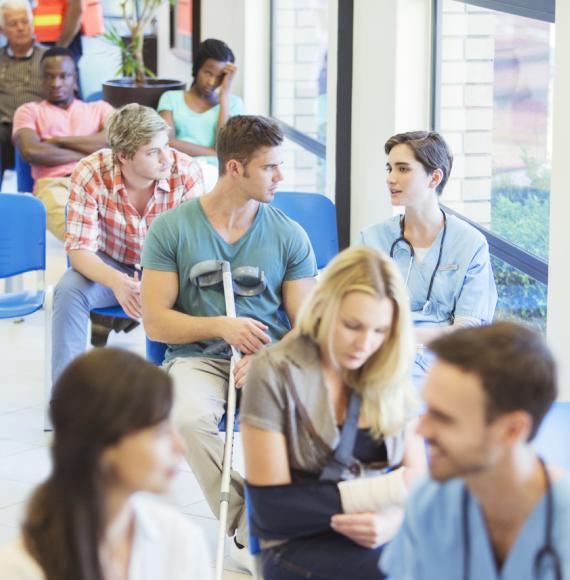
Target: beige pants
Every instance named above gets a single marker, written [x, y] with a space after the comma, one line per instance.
[54, 193]
[201, 386]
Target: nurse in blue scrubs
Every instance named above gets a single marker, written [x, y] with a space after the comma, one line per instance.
[444, 260]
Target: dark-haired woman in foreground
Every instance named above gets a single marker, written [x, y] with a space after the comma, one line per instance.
[196, 115]
[113, 438]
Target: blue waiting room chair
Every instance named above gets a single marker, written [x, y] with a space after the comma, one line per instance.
[316, 214]
[24, 179]
[23, 249]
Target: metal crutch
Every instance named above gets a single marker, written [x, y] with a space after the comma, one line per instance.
[251, 283]
[230, 420]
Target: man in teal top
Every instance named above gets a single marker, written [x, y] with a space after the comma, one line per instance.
[196, 115]
[235, 223]
[493, 509]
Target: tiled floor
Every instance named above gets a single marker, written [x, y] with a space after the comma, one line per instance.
[24, 447]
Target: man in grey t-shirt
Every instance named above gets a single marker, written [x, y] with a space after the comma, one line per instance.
[235, 223]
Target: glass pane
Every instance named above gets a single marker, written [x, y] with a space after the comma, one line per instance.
[496, 113]
[299, 67]
[302, 170]
[520, 297]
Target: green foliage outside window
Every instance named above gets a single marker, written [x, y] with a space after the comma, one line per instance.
[520, 214]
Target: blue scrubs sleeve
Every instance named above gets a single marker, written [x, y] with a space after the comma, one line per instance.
[399, 558]
[478, 295]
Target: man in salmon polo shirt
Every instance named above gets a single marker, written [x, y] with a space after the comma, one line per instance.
[54, 134]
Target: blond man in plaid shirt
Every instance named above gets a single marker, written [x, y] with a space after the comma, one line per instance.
[115, 195]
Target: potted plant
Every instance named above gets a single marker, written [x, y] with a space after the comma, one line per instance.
[137, 83]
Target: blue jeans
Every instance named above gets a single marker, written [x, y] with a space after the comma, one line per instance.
[327, 556]
[74, 297]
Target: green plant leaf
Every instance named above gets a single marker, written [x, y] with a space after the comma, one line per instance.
[136, 14]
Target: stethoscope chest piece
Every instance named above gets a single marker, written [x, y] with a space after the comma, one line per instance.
[428, 307]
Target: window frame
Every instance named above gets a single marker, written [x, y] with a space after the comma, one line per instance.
[342, 153]
[510, 253]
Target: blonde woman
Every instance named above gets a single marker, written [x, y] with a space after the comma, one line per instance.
[320, 513]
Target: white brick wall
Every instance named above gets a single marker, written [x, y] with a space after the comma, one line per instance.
[306, 90]
[452, 96]
[476, 189]
[306, 53]
[479, 48]
[454, 72]
[478, 142]
[458, 170]
[453, 48]
[454, 24]
[284, 107]
[482, 23]
[453, 119]
[285, 18]
[479, 71]
[478, 166]
[453, 191]
[285, 53]
[466, 113]
[478, 119]
[479, 95]
[300, 29]
[455, 142]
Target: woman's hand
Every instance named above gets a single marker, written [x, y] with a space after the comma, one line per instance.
[229, 72]
[370, 529]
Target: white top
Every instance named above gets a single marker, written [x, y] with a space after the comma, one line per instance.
[165, 545]
[420, 254]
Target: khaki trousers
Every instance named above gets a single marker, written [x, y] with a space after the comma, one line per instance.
[201, 386]
[54, 193]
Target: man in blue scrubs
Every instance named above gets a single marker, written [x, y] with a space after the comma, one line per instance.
[492, 510]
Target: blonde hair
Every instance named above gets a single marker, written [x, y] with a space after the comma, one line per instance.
[132, 126]
[384, 381]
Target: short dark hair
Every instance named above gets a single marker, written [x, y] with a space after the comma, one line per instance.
[241, 136]
[214, 49]
[515, 366]
[58, 51]
[429, 148]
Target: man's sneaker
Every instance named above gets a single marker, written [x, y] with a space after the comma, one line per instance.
[241, 556]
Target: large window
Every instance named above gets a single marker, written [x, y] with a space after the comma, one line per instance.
[494, 106]
[299, 89]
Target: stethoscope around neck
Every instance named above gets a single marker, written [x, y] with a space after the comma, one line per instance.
[547, 551]
[402, 240]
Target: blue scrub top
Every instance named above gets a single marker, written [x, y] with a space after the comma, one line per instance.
[429, 544]
[464, 284]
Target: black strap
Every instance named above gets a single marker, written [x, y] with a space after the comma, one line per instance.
[342, 457]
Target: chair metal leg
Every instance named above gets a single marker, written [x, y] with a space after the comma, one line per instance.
[226, 473]
[12, 285]
[48, 313]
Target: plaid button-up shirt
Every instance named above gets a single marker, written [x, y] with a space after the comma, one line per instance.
[100, 216]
